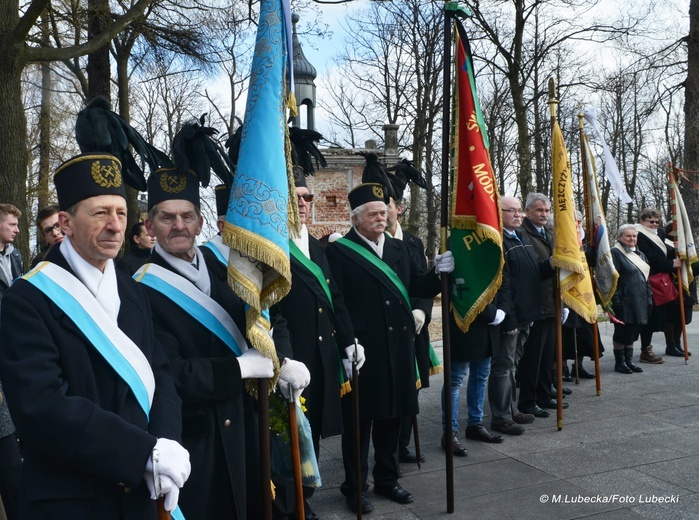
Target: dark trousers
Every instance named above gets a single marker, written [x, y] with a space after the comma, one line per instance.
[384, 435]
[534, 368]
[10, 466]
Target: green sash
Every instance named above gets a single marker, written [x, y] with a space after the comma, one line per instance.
[312, 267]
[389, 278]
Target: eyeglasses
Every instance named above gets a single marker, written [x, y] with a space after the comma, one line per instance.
[513, 211]
[653, 221]
[50, 229]
[308, 197]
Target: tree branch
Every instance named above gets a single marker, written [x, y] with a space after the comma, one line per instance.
[37, 54]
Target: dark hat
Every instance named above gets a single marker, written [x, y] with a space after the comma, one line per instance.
[299, 177]
[223, 193]
[88, 175]
[367, 192]
[167, 184]
[376, 172]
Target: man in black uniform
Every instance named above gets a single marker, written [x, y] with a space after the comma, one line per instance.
[320, 328]
[199, 319]
[377, 275]
[88, 385]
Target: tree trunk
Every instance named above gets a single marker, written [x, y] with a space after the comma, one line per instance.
[44, 123]
[13, 145]
[98, 72]
[691, 111]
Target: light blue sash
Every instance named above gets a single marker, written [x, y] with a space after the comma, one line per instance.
[216, 246]
[195, 303]
[78, 303]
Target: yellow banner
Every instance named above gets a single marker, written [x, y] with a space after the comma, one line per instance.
[568, 257]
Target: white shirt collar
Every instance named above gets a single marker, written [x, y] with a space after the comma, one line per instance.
[102, 285]
[199, 277]
[376, 247]
[302, 241]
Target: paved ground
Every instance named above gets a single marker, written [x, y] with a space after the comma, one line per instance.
[618, 455]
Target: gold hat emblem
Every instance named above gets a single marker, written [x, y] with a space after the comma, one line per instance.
[173, 183]
[378, 191]
[106, 175]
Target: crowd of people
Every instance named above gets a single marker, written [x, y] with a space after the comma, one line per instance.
[125, 374]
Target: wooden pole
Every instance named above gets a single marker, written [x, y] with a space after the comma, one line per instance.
[265, 464]
[357, 436]
[416, 438]
[673, 210]
[589, 232]
[553, 102]
[163, 514]
[295, 456]
[444, 223]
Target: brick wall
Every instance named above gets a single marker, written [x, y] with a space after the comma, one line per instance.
[330, 185]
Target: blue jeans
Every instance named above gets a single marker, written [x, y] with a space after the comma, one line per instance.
[475, 391]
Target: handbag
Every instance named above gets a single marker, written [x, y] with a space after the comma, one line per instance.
[664, 291]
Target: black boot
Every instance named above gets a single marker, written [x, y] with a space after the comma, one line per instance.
[628, 356]
[620, 365]
[582, 373]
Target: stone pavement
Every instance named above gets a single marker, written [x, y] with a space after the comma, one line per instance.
[617, 456]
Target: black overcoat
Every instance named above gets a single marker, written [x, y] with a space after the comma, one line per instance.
[207, 377]
[383, 324]
[86, 438]
[319, 334]
[422, 340]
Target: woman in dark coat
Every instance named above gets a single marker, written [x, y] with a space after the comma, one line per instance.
[632, 302]
[661, 259]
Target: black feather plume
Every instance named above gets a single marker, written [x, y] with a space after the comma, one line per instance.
[99, 129]
[233, 145]
[405, 171]
[196, 148]
[374, 171]
[304, 151]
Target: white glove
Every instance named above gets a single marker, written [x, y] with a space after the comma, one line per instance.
[254, 365]
[173, 462]
[295, 374]
[361, 357]
[564, 314]
[419, 316]
[499, 316]
[171, 495]
[444, 263]
[348, 368]
[166, 484]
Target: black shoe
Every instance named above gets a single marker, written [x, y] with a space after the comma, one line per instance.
[409, 457]
[478, 432]
[310, 515]
[582, 373]
[672, 350]
[456, 448]
[554, 393]
[566, 374]
[536, 412]
[396, 493]
[366, 505]
[679, 346]
[552, 405]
